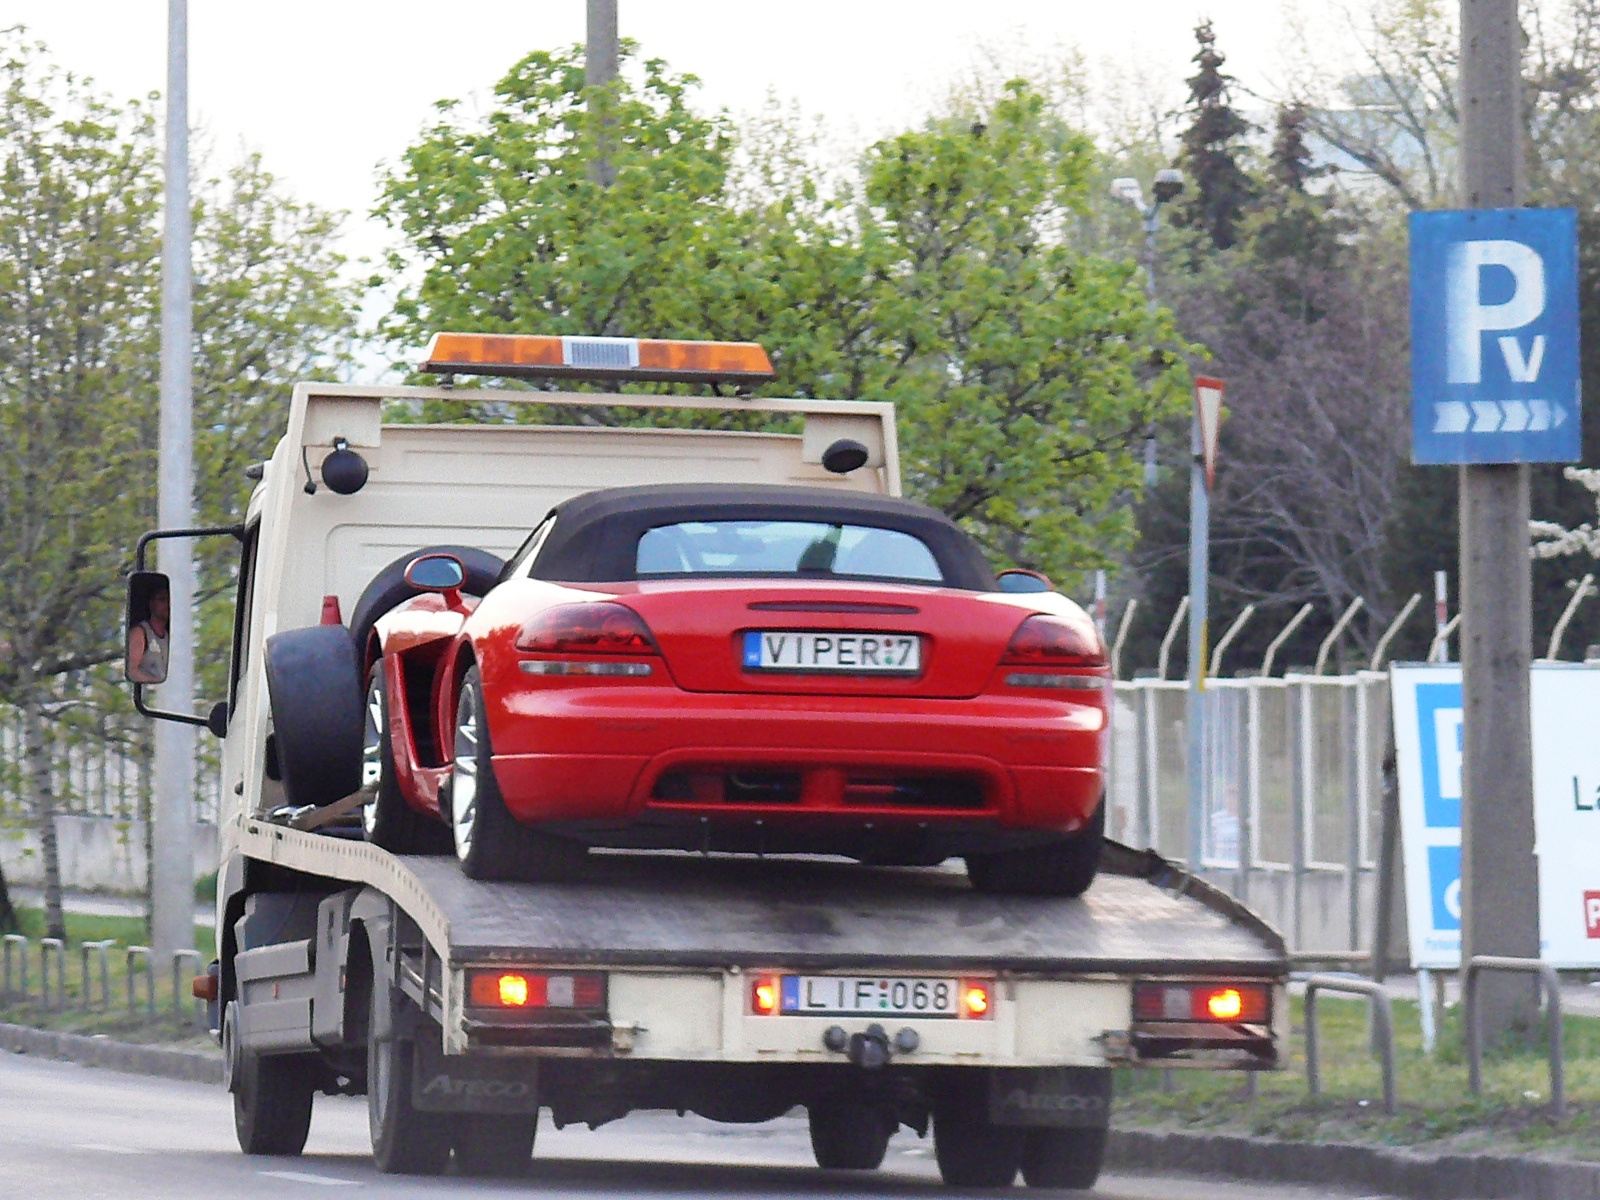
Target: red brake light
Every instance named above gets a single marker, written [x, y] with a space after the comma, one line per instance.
[599, 628]
[1042, 641]
[977, 999]
[764, 997]
[527, 989]
[1226, 1003]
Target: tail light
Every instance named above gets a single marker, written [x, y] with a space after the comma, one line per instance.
[765, 996]
[530, 989]
[1050, 641]
[977, 999]
[599, 628]
[1218, 1003]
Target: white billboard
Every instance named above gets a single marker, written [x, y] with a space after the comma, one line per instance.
[1566, 792]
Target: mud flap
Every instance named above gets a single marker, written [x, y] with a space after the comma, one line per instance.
[1053, 1097]
[457, 1083]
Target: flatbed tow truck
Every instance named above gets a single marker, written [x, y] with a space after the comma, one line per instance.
[736, 987]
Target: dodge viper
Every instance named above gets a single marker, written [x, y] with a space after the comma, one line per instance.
[739, 668]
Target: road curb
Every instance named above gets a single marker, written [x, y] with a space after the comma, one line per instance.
[164, 1061]
[1392, 1171]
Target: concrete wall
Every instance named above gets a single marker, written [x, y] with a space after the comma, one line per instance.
[98, 854]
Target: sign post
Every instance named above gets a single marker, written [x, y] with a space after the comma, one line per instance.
[1494, 359]
[1207, 422]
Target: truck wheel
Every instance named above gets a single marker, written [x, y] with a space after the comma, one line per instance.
[1063, 1158]
[389, 821]
[405, 1141]
[1064, 868]
[314, 686]
[848, 1137]
[495, 1144]
[272, 1100]
[971, 1150]
[490, 842]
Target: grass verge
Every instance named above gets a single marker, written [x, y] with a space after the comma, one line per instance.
[1437, 1113]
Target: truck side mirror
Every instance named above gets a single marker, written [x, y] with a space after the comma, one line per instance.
[148, 628]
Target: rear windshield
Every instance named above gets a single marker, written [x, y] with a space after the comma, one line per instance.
[800, 548]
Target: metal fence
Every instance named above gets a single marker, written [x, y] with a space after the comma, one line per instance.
[1292, 820]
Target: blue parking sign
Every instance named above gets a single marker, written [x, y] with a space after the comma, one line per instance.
[1494, 336]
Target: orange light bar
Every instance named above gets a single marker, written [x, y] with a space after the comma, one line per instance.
[526, 356]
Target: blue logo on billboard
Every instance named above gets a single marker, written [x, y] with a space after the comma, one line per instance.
[1494, 336]
[1439, 728]
[1444, 886]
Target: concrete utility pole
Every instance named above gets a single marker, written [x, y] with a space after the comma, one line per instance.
[1499, 874]
[600, 67]
[172, 865]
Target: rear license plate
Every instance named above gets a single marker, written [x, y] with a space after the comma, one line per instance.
[847, 996]
[836, 653]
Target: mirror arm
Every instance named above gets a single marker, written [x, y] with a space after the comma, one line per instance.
[235, 531]
[161, 715]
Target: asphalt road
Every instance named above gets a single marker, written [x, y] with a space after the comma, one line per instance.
[70, 1131]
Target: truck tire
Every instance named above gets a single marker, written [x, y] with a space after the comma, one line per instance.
[405, 1140]
[388, 820]
[1063, 1158]
[971, 1150]
[1063, 868]
[490, 842]
[389, 588]
[846, 1136]
[495, 1145]
[272, 1100]
[314, 687]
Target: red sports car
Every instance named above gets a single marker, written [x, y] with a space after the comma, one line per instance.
[739, 668]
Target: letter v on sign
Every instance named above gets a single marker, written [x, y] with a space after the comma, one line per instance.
[1208, 415]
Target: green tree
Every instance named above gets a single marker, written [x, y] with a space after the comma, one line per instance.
[942, 276]
[80, 223]
[1220, 190]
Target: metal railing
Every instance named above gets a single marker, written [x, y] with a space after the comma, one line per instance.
[1382, 1030]
[103, 947]
[1551, 983]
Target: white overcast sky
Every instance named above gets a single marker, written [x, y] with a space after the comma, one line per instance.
[326, 89]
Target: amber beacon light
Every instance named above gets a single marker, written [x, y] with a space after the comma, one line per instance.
[525, 356]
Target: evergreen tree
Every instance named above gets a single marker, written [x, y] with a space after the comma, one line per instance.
[1219, 189]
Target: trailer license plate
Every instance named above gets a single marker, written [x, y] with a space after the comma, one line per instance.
[846, 996]
[842, 653]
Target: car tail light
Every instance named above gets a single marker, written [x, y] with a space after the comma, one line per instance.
[765, 997]
[1219, 1003]
[977, 999]
[536, 989]
[1050, 641]
[599, 628]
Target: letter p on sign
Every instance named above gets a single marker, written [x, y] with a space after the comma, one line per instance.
[1591, 913]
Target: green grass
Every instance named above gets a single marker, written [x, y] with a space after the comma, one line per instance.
[115, 1020]
[1437, 1111]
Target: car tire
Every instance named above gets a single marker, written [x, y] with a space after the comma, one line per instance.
[847, 1136]
[389, 588]
[388, 820]
[972, 1151]
[495, 1145]
[1063, 1158]
[405, 1140]
[490, 843]
[1063, 868]
[314, 689]
[272, 1100]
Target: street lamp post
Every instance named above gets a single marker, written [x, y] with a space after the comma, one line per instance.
[1165, 188]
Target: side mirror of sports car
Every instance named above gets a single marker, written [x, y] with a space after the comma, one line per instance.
[1020, 579]
[436, 573]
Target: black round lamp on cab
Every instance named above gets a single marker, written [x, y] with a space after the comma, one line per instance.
[844, 456]
[344, 471]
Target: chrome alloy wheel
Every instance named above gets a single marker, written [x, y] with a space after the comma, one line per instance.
[464, 780]
[372, 752]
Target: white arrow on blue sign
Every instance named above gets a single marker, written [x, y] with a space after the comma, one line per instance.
[1494, 336]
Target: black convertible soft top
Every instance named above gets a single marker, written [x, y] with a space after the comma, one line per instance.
[596, 535]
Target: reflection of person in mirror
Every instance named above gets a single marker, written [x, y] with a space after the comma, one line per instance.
[147, 641]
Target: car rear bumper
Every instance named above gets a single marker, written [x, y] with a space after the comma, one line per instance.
[626, 754]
